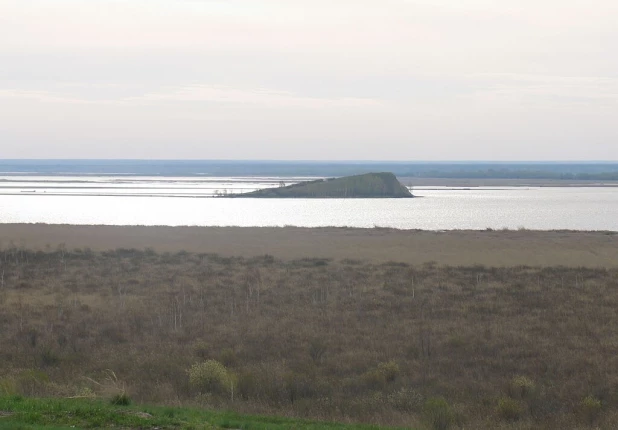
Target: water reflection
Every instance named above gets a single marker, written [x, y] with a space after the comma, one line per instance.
[158, 201]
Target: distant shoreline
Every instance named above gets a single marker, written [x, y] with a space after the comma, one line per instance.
[528, 171]
[405, 180]
[476, 183]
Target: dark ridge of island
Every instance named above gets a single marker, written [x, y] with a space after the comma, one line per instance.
[369, 185]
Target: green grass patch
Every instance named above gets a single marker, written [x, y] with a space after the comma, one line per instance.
[19, 413]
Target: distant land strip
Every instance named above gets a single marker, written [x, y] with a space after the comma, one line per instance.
[568, 171]
[458, 247]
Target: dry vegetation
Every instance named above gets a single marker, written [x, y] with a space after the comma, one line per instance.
[457, 248]
[391, 343]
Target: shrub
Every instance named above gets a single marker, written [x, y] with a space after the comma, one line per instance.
[438, 413]
[228, 357]
[247, 385]
[405, 400]
[32, 382]
[521, 387]
[374, 379]
[120, 399]
[210, 376]
[49, 357]
[456, 342]
[8, 387]
[86, 392]
[510, 409]
[298, 386]
[390, 370]
[378, 378]
[317, 349]
[590, 409]
[201, 349]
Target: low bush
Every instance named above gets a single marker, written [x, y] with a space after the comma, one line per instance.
[298, 386]
[390, 370]
[317, 349]
[405, 400]
[247, 385]
[210, 376]
[49, 357]
[374, 380]
[201, 349]
[590, 409]
[120, 399]
[438, 413]
[8, 387]
[32, 382]
[228, 357]
[521, 387]
[510, 409]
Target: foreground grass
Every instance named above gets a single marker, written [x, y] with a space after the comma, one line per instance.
[17, 412]
[423, 346]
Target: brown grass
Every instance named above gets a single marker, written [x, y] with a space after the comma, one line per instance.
[490, 247]
[507, 347]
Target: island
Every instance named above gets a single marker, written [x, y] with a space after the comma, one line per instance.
[368, 185]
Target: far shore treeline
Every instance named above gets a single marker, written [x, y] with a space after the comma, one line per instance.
[594, 171]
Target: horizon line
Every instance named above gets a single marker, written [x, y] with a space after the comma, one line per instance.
[346, 161]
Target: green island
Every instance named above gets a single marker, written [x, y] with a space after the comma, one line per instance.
[369, 185]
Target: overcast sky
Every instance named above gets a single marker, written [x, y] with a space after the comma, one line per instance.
[309, 79]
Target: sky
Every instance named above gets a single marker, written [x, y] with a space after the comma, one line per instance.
[309, 79]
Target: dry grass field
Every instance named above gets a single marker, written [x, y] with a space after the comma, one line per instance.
[499, 248]
[347, 325]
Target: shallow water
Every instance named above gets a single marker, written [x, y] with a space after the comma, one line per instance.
[185, 201]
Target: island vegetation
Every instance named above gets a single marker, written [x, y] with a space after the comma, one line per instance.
[369, 185]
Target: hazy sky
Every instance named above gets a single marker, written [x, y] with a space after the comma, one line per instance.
[309, 79]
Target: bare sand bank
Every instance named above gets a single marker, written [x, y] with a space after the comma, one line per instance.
[491, 248]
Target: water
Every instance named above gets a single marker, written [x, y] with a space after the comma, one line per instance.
[186, 201]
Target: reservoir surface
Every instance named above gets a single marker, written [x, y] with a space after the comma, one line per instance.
[173, 201]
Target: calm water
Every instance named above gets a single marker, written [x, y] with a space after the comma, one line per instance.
[185, 201]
